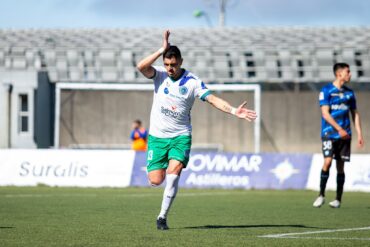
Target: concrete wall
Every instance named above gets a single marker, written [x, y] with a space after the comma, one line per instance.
[23, 82]
[290, 120]
[4, 115]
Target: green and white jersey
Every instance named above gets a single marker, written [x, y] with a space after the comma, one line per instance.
[172, 103]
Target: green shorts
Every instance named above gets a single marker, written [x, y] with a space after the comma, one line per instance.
[161, 150]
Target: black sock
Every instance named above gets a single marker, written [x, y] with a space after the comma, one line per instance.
[323, 181]
[341, 177]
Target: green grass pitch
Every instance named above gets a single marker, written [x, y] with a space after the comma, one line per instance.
[43, 216]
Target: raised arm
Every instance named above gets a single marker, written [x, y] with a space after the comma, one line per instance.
[224, 106]
[145, 65]
[357, 121]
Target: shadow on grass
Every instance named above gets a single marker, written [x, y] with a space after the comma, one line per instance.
[247, 226]
[7, 227]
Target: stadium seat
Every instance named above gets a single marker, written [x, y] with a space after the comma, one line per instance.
[8, 63]
[109, 74]
[126, 58]
[73, 58]
[53, 75]
[271, 67]
[62, 69]
[128, 74]
[89, 57]
[19, 63]
[50, 57]
[75, 74]
[90, 74]
[2, 57]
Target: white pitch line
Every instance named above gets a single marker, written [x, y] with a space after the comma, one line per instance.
[289, 235]
[330, 238]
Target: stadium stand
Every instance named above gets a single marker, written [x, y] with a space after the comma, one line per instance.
[294, 54]
[289, 63]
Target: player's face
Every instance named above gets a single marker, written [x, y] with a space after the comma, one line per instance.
[135, 125]
[173, 66]
[345, 74]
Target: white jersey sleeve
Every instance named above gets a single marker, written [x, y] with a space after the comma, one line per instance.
[159, 76]
[200, 89]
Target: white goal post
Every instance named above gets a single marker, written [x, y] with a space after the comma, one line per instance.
[255, 88]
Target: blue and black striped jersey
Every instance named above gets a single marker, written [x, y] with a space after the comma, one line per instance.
[340, 102]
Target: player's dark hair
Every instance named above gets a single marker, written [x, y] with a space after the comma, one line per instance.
[138, 122]
[339, 66]
[172, 51]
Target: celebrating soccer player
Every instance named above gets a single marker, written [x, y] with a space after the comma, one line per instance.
[175, 90]
[336, 101]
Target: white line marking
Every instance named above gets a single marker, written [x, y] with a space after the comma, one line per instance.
[289, 235]
[330, 238]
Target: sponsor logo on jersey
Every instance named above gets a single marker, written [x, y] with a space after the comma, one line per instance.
[169, 113]
[339, 107]
[183, 90]
[341, 95]
[166, 91]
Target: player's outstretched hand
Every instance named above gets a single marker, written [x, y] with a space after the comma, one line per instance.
[166, 35]
[245, 113]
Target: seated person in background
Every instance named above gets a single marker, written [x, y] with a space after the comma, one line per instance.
[138, 136]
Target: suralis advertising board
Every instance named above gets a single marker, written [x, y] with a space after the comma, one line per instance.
[82, 168]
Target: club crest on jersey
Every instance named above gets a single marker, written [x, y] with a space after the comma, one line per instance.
[183, 90]
[321, 96]
[166, 91]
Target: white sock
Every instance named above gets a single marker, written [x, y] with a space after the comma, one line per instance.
[169, 194]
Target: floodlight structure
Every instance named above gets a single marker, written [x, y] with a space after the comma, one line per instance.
[199, 13]
[221, 18]
[222, 4]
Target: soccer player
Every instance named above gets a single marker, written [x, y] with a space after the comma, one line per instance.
[169, 142]
[138, 136]
[336, 102]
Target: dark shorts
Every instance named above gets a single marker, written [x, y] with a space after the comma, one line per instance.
[337, 148]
